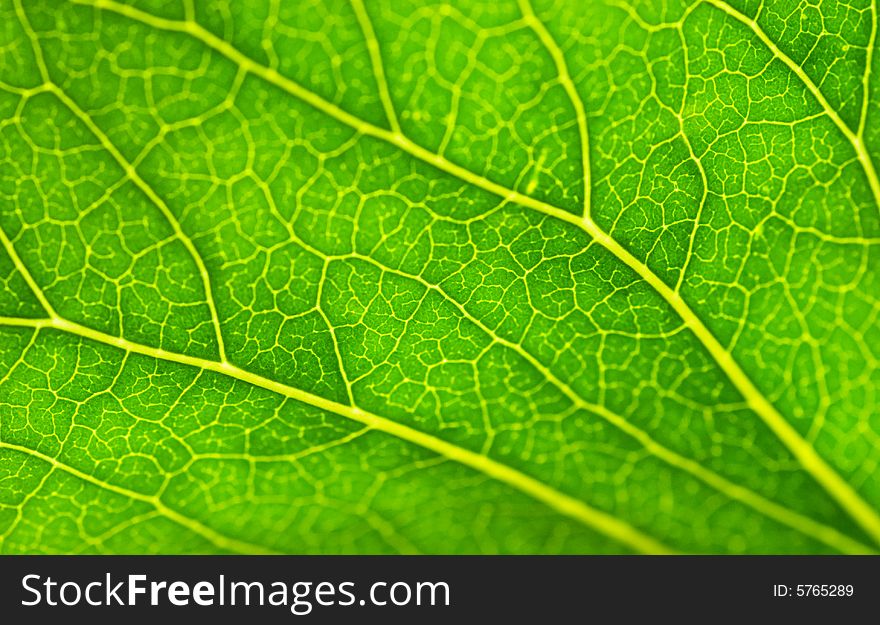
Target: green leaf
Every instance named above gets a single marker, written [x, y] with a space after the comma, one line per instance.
[547, 276]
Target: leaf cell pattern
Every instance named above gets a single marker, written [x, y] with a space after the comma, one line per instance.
[363, 276]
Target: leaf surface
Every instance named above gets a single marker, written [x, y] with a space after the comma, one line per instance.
[502, 277]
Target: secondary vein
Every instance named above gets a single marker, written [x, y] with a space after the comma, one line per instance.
[558, 501]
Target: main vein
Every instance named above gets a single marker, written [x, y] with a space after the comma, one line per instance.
[842, 492]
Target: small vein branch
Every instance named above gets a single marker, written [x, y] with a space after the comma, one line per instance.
[154, 197]
[570, 90]
[211, 535]
[854, 138]
[376, 61]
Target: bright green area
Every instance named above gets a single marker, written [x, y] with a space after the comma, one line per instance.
[345, 277]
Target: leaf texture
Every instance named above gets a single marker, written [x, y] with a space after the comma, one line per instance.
[367, 276]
